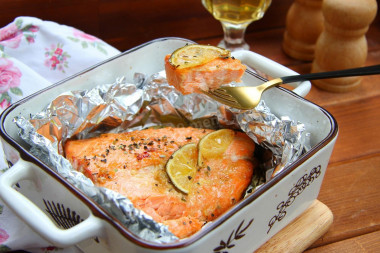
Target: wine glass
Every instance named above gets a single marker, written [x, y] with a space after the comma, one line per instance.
[235, 16]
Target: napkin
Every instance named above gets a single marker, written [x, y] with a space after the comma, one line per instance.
[33, 55]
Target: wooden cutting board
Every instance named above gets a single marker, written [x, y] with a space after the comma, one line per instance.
[302, 232]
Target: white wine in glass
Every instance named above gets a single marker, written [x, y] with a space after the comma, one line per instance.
[235, 16]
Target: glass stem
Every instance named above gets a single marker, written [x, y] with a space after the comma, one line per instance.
[234, 35]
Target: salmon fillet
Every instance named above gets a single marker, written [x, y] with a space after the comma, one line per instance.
[133, 164]
[204, 77]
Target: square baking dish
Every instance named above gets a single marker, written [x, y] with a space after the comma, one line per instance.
[65, 216]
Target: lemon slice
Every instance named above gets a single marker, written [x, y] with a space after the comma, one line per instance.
[182, 166]
[214, 144]
[194, 54]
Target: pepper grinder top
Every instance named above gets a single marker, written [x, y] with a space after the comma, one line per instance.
[349, 17]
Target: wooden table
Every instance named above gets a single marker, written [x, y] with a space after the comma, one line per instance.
[351, 188]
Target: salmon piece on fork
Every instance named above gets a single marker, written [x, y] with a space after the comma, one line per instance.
[197, 68]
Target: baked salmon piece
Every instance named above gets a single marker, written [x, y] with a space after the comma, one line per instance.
[197, 71]
[133, 164]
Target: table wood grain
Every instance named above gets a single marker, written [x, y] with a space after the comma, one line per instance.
[351, 185]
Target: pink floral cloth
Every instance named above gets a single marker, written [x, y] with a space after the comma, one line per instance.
[33, 55]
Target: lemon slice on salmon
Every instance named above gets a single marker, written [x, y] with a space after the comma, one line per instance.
[182, 165]
[195, 54]
[214, 144]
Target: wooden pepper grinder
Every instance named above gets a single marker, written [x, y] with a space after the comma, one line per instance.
[304, 24]
[343, 44]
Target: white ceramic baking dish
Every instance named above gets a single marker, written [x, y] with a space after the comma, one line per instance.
[64, 216]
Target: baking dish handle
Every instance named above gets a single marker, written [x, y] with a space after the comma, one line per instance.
[32, 215]
[271, 68]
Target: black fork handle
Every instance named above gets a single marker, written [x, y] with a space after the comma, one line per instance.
[363, 71]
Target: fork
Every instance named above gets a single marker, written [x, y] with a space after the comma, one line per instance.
[248, 97]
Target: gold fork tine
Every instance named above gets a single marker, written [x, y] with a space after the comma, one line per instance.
[222, 94]
[231, 103]
[244, 98]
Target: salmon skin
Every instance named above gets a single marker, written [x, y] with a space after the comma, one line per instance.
[204, 77]
[133, 164]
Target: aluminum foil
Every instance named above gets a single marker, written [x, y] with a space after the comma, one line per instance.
[150, 101]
